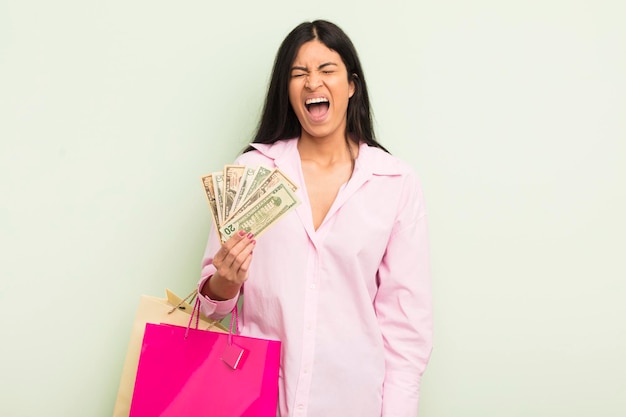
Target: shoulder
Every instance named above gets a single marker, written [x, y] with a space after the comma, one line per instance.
[394, 175]
[383, 163]
[267, 153]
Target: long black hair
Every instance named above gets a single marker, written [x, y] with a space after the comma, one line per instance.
[278, 120]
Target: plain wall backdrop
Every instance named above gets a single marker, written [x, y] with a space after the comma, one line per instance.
[512, 112]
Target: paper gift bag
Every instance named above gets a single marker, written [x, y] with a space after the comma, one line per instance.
[186, 372]
[172, 310]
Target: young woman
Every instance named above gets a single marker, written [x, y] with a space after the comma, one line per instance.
[343, 281]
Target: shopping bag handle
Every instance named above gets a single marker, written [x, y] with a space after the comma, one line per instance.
[234, 318]
[188, 299]
[196, 313]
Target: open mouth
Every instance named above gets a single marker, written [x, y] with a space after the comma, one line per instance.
[317, 107]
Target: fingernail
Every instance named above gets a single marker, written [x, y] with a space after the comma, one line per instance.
[250, 235]
[241, 233]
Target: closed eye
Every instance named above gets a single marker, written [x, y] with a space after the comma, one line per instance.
[299, 71]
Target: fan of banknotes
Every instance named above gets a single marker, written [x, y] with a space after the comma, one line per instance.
[248, 198]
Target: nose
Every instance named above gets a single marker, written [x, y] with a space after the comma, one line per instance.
[313, 81]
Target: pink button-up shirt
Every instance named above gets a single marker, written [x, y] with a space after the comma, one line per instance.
[350, 301]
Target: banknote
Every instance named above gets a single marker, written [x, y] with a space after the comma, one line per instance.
[266, 211]
[207, 182]
[274, 178]
[218, 187]
[232, 182]
[259, 176]
[250, 197]
[246, 182]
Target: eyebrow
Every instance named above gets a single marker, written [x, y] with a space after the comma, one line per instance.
[322, 66]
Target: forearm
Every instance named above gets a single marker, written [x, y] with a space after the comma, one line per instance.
[218, 289]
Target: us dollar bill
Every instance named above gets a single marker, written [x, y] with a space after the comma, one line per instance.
[232, 182]
[246, 182]
[207, 183]
[259, 176]
[273, 179]
[218, 187]
[266, 211]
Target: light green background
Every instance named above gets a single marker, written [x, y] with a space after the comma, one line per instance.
[512, 112]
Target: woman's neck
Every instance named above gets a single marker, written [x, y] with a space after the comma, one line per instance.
[327, 151]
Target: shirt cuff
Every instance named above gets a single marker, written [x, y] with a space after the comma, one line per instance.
[400, 397]
[214, 309]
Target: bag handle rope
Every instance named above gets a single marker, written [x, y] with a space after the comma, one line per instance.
[196, 312]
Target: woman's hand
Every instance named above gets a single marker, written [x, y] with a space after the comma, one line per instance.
[232, 261]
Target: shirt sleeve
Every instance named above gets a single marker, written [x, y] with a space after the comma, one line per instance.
[212, 309]
[404, 304]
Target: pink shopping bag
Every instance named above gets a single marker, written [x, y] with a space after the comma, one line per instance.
[189, 372]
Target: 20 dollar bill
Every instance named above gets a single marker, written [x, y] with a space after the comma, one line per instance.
[261, 215]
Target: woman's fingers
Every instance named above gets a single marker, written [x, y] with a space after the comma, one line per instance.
[227, 246]
[239, 251]
[233, 255]
[246, 263]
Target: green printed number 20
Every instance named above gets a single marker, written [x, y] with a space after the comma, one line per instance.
[229, 230]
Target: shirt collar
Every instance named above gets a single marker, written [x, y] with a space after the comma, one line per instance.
[371, 160]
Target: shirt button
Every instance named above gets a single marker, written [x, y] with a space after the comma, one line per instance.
[300, 406]
[312, 286]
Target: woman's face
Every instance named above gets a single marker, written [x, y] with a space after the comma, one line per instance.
[319, 90]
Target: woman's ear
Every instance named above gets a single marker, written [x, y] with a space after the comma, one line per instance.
[353, 82]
